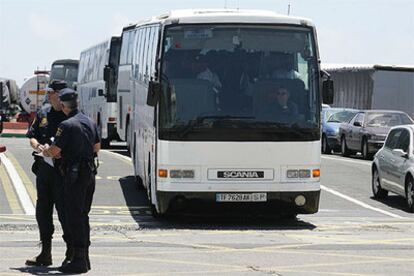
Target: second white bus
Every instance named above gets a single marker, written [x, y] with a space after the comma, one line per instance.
[97, 91]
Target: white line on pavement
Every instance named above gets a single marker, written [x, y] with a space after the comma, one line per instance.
[360, 203]
[18, 185]
[366, 163]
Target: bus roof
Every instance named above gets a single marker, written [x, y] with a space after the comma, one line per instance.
[224, 16]
[66, 61]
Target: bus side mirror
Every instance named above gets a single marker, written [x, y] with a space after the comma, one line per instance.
[154, 91]
[327, 91]
[107, 73]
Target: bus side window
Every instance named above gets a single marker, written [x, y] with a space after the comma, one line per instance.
[140, 53]
[124, 48]
[135, 62]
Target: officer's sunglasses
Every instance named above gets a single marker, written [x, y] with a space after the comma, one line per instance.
[52, 92]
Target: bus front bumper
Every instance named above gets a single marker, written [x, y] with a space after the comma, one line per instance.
[276, 202]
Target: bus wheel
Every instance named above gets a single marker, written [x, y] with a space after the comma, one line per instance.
[153, 209]
[105, 143]
[128, 138]
[289, 216]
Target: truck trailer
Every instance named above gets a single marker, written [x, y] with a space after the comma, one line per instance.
[373, 87]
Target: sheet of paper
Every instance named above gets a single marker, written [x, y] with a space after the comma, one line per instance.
[48, 160]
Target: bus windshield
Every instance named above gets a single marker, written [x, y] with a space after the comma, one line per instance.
[67, 72]
[247, 83]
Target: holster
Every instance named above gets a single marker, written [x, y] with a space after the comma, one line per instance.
[36, 163]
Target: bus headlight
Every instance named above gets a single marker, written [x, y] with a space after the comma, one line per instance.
[292, 174]
[298, 173]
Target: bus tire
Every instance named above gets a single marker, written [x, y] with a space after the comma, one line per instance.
[128, 138]
[153, 208]
[289, 216]
[105, 143]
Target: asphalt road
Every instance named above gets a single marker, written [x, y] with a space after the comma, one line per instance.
[352, 234]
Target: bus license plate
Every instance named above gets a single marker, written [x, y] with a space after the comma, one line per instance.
[250, 197]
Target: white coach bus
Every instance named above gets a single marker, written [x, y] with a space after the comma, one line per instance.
[203, 85]
[97, 91]
[124, 95]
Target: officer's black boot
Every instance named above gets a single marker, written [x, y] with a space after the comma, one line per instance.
[45, 256]
[78, 263]
[69, 254]
[88, 261]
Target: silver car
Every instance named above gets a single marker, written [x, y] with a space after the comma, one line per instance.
[393, 166]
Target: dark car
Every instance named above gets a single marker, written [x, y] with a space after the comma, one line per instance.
[367, 130]
[331, 120]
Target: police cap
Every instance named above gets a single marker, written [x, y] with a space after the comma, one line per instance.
[67, 95]
[58, 84]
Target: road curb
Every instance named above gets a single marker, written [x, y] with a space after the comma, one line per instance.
[13, 135]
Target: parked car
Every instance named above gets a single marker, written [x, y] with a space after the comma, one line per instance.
[331, 120]
[366, 132]
[393, 166]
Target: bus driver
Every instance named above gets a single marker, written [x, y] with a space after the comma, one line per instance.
[279, 107]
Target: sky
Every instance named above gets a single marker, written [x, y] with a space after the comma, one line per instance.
[35, 33]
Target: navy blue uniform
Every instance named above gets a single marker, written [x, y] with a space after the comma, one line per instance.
[49, 183]
[76, 138]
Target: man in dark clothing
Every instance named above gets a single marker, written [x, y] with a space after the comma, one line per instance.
[49, 183]
[279, 108]
[77, 142]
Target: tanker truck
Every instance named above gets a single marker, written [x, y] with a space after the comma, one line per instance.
[33, 94]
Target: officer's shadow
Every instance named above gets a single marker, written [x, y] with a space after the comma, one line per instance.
[41, 270]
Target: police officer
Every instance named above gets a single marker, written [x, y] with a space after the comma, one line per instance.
[49, 183]
[77, 142]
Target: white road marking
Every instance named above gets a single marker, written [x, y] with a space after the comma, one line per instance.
[360, 203]
[359, 162]
[21, 191]
[118, 155]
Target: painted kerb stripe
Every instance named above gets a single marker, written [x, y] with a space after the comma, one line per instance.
[24, 198]
[9, 192]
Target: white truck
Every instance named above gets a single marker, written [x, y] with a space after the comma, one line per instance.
[373, 87]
